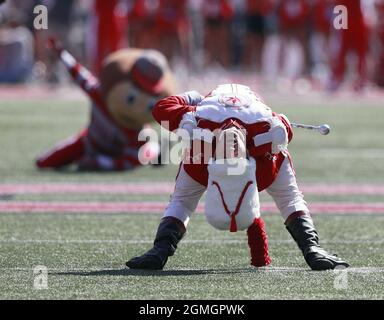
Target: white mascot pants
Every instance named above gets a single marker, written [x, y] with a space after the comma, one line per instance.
[284, 191]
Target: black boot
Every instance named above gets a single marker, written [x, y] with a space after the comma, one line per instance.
[300, 226]
[169, 233]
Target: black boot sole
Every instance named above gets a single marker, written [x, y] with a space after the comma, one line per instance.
[145, 263]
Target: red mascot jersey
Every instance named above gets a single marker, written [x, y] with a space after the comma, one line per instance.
[173, 108]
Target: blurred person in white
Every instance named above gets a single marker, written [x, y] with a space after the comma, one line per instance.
[16, 45]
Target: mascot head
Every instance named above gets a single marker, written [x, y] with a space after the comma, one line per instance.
[132, 80]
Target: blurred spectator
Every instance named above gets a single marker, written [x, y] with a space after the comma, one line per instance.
[172, 28]
[322, 16]
[284, 39]
[16, 46]
[354, 39]
[379, 40]
[218, 15]
[196, 43]
[59, 17]
[294, 21]
[256, 24]
[108, 24]
[160, 24]
[141, 20]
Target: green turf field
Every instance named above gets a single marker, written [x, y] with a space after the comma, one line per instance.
[85, 253]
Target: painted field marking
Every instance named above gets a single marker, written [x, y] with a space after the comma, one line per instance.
[367, 153]
[192, 241]
[167, 188]
[76, 188]
[158, 207]
[91, 269]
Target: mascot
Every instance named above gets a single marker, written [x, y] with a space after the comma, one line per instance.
[246, 133]
[131, 81]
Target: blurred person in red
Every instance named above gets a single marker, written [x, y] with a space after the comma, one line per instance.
[172, 28]
[217, 15]
[379, 33]
[294, 16]
[141, 23]
[256, 13]
[106, 31]
[322, 17]
[344, 41]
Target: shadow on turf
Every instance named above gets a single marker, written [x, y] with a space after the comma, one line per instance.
[156, 273]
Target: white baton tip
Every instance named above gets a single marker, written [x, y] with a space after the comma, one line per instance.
[324, 129]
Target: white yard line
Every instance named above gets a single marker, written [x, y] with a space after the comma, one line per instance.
[87, 269]
[146, 207]
[367, 153]
[349, 270]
